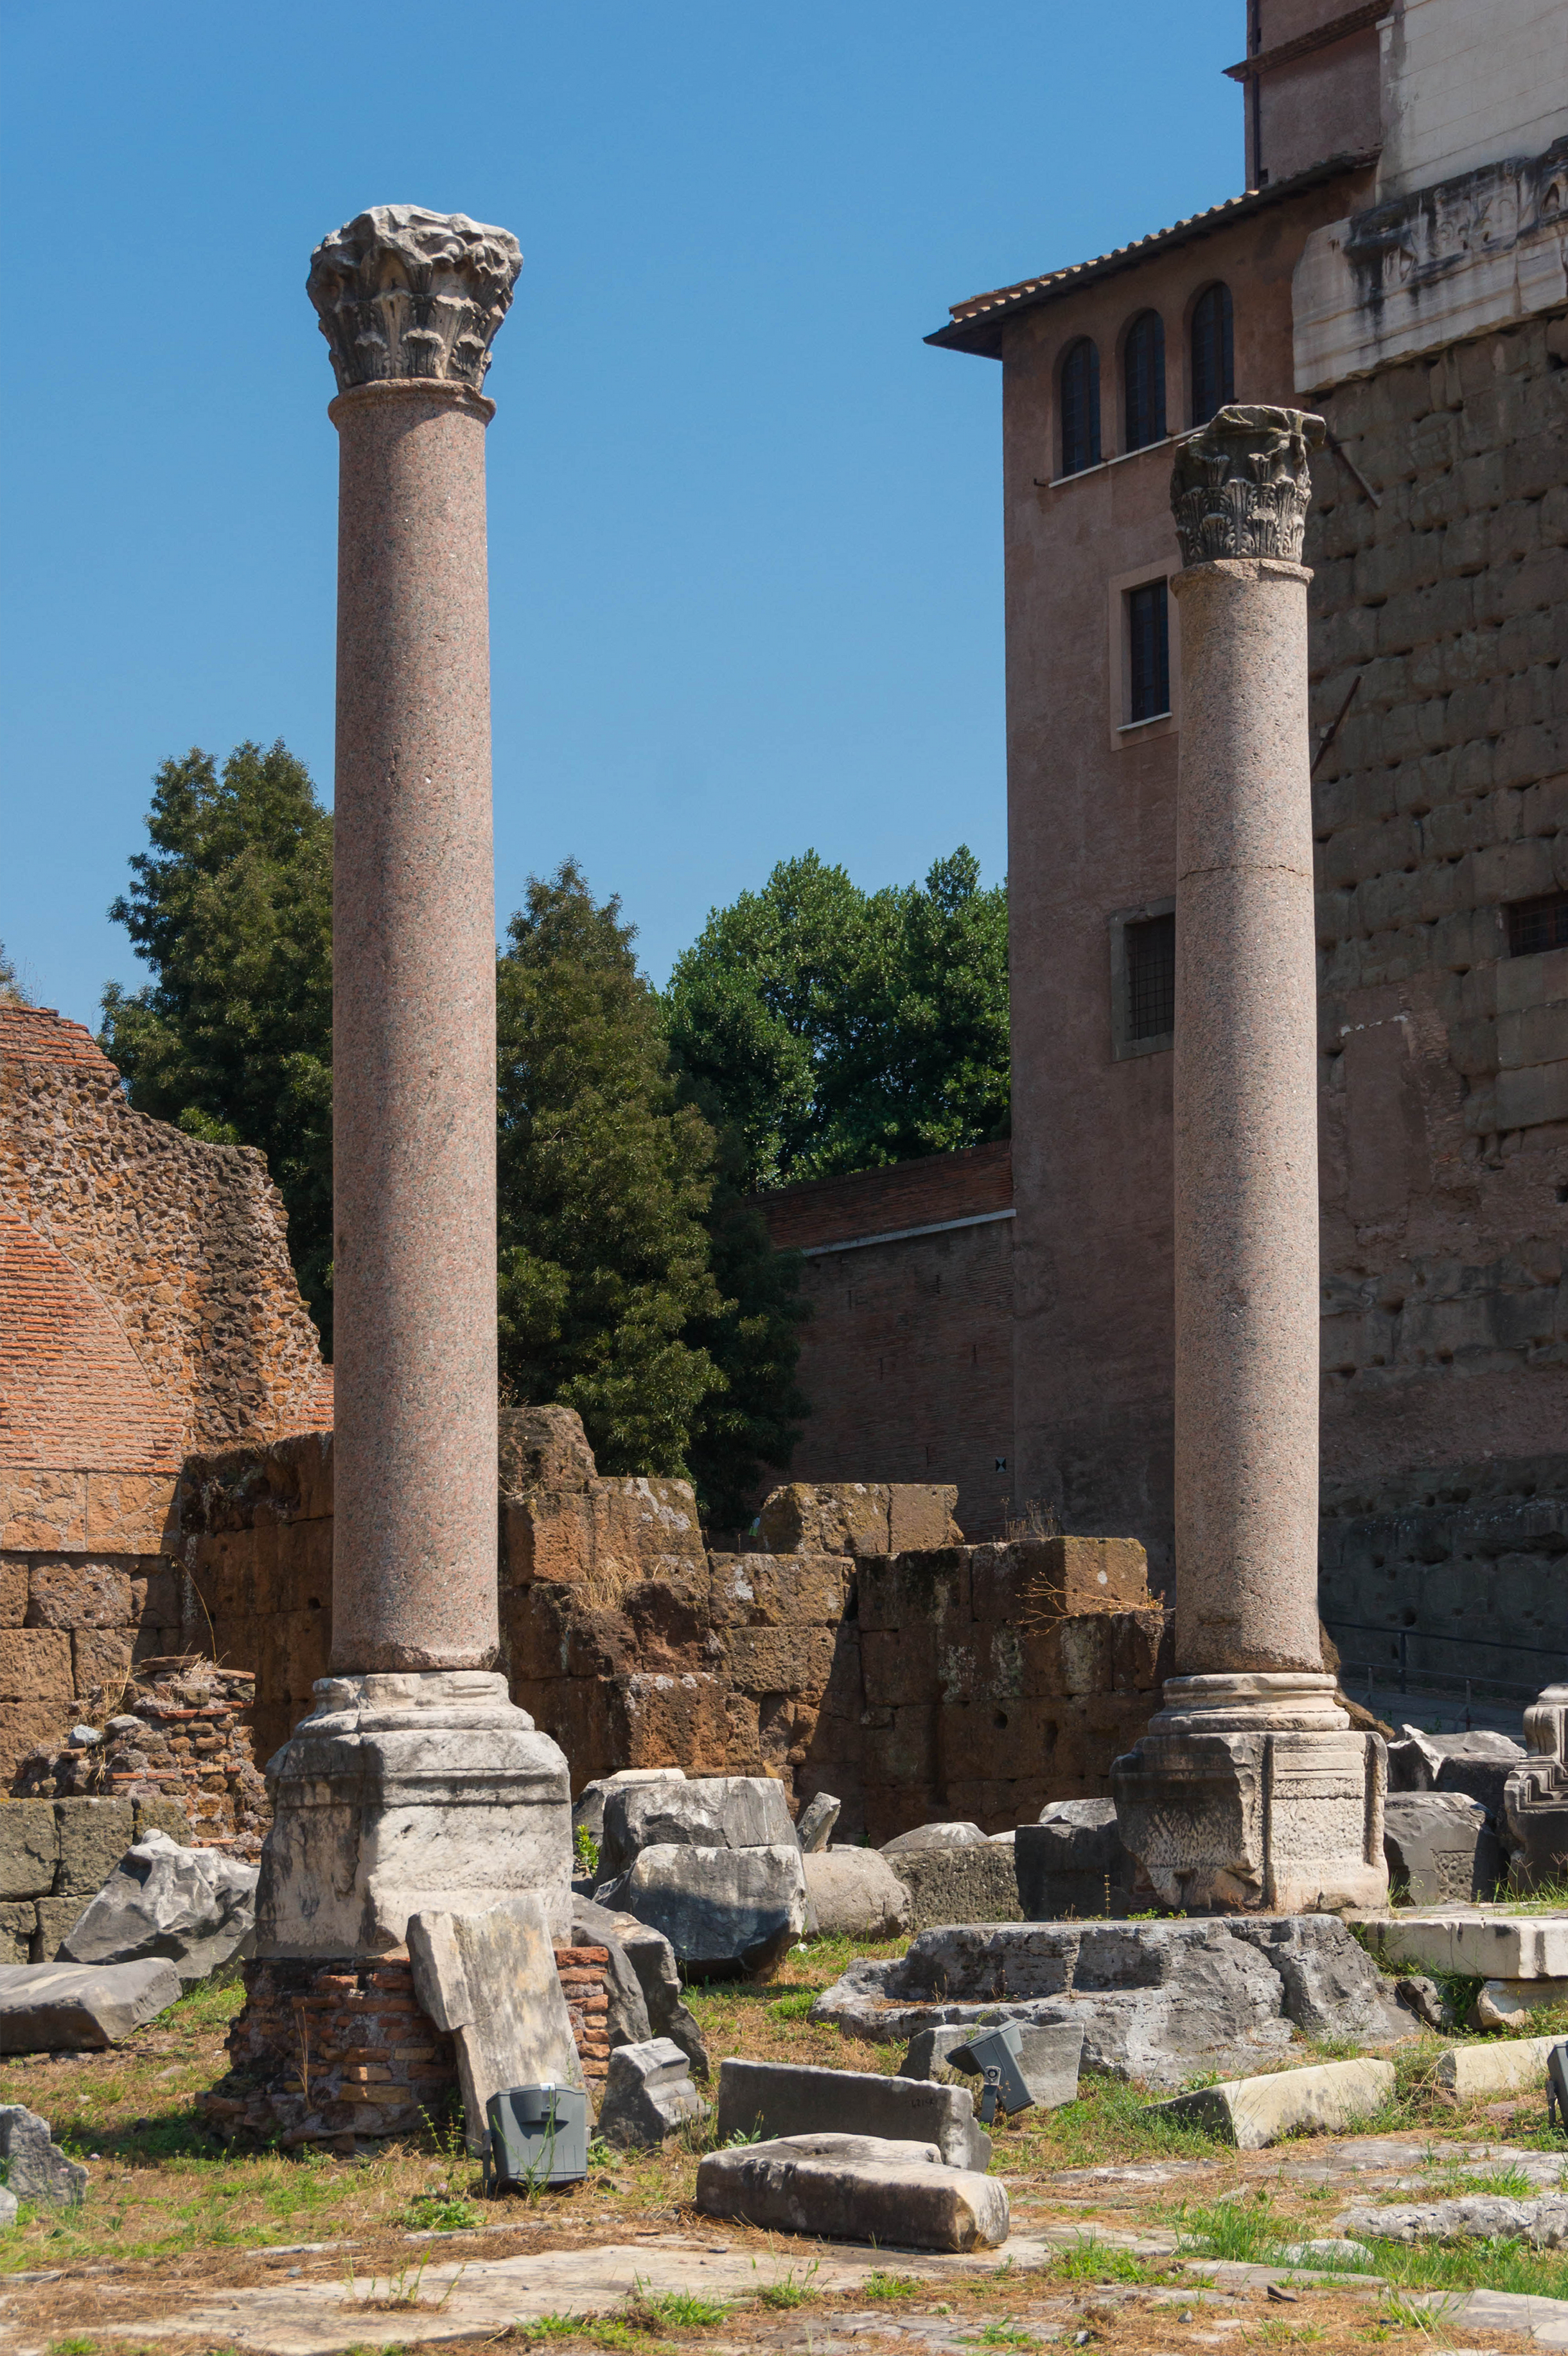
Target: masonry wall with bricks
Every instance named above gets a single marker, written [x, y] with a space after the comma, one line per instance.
[148, 1307]
[908, 1358]
[857, 1646]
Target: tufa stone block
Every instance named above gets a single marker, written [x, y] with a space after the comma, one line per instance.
[35, 1664]
[29, 1848]
[93, 1836]
[132, 1512]
[544, 1448]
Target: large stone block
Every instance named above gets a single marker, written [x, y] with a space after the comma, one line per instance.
[41, 1511]
[195, 1906]
[1439, 1848]
[1072, 1862]
[855, 1893]
[649, 2094]
[35, 1664]
[100, 1663]
[12, 1590]
[548, 1536]
[777, 1590]
[830, 1517]
[961, 1885]
[79, 1591]
[29, 1725]
[63, 2007]
[93, 1836]
[856, 2187]
[29, 1848]
[785, 2099]
[132, 1512]
[1333, 2098]
[544, 1448]
[720, 1909]
[731, 1811]
[1054, 1578]
[36, 2167]
[18, 1930]
[928, 1589]
[648, 1529]
[779, 1660]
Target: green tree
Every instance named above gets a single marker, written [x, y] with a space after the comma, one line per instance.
[232, 907]
[840, 1030]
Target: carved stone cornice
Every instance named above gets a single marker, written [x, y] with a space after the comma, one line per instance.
[401, 292]
[1242, 485]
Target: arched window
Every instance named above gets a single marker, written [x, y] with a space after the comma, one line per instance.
[1080, 407]
[1144, 380]
[1213, 356]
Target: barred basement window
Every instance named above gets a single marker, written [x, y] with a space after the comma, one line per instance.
[1537, 925]
[1144, 380]
[1213, 353]
[1080, 407]
[1148, 652]
[1150, 955]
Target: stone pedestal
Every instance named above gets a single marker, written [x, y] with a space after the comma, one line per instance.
[401, 1793]
[1534, 1826]
[1253, 1792]
[1249, 1789]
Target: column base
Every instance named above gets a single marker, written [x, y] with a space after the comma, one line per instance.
[403, 1791]
[1252, 1794]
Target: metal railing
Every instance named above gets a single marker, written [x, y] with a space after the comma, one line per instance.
[1441, 1680]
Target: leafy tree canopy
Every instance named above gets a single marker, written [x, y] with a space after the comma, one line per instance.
[617, 1224]
[839, 1030]
[232, 907]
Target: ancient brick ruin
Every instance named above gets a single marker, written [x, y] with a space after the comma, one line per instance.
[148, 1307]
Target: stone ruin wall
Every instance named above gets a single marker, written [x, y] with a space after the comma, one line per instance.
[148, 1307]
[858, 1647]
[1443, 798]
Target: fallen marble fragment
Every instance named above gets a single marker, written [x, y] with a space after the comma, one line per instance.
[855, 2189]
[77, 2007]
[490, 1981]
[648, 2093]
[1252, 2113]
[788, 2100]
[34, 2166]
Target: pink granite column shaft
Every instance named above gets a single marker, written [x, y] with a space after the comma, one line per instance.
[414, 1037]
[1246, 1140]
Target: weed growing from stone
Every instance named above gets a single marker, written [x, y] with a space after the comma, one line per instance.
[886, 2287]
[786, 2292]
[1092, 2260]
[674, 2310]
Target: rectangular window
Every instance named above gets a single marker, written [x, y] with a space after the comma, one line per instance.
[1148, 651]
[1150, 955]
[1537, 925]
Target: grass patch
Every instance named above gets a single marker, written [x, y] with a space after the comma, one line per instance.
[787, 2293]
[891, 2286]
[793, 2007]
[674, 2310]
[1092, 2260]
[1248, 2232]
[440, 2212]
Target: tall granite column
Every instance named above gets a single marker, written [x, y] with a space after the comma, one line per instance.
[414, 1782]
[1250, 1789]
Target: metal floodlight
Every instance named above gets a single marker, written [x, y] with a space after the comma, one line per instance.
[995, 2056]
[536, 2135]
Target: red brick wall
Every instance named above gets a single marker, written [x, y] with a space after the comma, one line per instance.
[907, 1361]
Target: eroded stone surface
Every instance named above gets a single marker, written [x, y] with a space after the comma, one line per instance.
[36, 2167]
[197, 1906]
[784, 2099]
[719, 1908]
[1255, 2111]
[648, 2094]
[696, 1812]
[853, 1893]
[490, 1981]
[856, 2187]
[57, 2007]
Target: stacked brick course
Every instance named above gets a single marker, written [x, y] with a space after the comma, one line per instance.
[182, 1736]
[329, 2052]
[147, 1306]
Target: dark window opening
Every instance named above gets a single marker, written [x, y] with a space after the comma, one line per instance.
[1080, 407]
[1213, 354]
[1537, 925]
[1149, 648]
[1144, 380]
[1150, 951]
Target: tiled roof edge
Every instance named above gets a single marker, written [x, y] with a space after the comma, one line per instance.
[975, 324]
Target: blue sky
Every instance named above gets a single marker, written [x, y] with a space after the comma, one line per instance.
[745, 527]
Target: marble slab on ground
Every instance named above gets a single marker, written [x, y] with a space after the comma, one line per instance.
[81, 2008]
[1479, 1942]
[490, 1981]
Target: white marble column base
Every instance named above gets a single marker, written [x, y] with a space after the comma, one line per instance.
[408, 1791]
[1253, 1793]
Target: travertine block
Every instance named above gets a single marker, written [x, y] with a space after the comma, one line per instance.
[132, 1512]
[40, 1511]
[785, 1591]
[35, 1664]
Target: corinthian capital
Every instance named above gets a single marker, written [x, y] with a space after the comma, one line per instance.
[404, 293]
[1242, 485]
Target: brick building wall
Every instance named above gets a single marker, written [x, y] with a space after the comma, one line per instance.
[147, 1306]
[908, 1359]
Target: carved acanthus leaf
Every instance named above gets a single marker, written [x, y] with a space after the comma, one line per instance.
[1242, 485]
[401, 292]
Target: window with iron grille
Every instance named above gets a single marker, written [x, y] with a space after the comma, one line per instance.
[1213, 353]
[1148, 652]
[1536, 925]
[1080, 407]
[1150, 955]
[1144, 380]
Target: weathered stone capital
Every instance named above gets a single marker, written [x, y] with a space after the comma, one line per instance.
[401, 292]
[1242, 485]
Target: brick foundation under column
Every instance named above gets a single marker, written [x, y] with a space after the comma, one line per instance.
[329, 2052]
